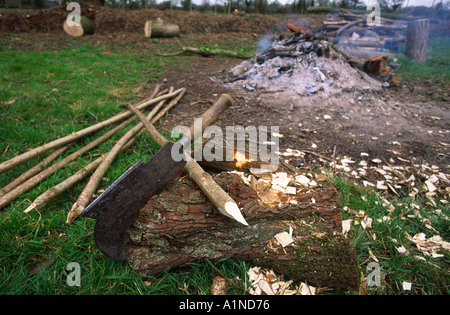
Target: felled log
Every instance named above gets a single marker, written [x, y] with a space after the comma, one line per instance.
[417, 40]
[86, 27]
[160, 28]
[180, 226]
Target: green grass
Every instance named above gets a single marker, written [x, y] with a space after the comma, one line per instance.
[437, 65]
[56, 92]
[390, 230]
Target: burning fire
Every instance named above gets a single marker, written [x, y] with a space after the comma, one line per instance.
[240, 159]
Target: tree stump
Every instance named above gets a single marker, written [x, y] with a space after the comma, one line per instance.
[160, 28]
[180, 225]
[417, 40]
[86, 27]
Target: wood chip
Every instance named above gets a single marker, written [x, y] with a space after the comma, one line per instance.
[284, 239]
[291, 190]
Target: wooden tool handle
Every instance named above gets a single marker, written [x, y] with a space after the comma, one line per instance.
[214, 112]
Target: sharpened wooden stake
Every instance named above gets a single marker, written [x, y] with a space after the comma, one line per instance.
[30, 183]
[33, 171]
[223, 202]
[55, 191]
[85, 197]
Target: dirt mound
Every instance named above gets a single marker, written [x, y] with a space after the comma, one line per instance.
[108, 20]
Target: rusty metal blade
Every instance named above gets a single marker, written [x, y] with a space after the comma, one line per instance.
[118, 206]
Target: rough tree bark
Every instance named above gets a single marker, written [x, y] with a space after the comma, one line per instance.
[87, 27]
[180, 226]
[417, 40]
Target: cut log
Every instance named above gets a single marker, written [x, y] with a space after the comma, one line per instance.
[180, 226]
[417, 40]
[160, 28]
[86, 27]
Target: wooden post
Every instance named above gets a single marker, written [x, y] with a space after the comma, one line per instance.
[417, 40]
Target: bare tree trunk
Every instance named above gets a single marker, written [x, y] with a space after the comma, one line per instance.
[417, 40]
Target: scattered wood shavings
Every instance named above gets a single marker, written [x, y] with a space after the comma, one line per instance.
[402, 250]
[346, 225]
[266, 282]
[431, 246]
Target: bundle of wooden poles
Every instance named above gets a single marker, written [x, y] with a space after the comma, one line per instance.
[163, 101]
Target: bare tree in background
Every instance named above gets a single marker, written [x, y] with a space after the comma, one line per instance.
[396, 4]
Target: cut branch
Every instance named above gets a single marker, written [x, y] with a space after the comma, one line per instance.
[55, 191]
[160, 28]
[221, 200]
[30, 183]
[86, 195]
[79, 134]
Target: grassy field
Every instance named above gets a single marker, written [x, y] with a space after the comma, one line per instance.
[59, 91]
[55, 93]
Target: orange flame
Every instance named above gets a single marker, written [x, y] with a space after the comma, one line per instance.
[240, 159]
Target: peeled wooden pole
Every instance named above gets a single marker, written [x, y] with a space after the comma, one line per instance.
[58, 189]
[33, 171]
[221, 200]
[79, 134]
[53, 192]
[30, 183]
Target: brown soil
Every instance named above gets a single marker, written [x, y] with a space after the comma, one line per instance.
[412, 119]
[111, 21]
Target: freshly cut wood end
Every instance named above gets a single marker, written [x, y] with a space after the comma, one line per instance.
[74, 213]
[75, 30]
[148, 28]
